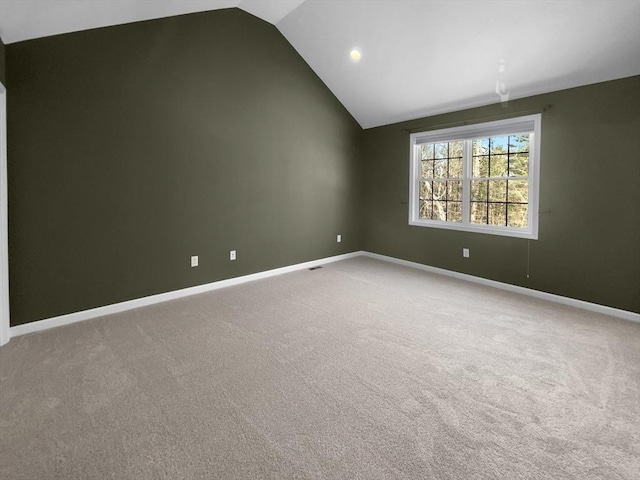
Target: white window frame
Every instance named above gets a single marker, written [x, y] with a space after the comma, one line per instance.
[529, 123]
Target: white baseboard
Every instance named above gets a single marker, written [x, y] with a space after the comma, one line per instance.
[594, 307]
[48, 323]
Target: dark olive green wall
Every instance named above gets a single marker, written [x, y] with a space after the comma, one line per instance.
[3, 71]
[589, 230]
[133, 147]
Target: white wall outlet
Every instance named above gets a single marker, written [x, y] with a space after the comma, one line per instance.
[339, 238]
[194, 261]
[232, 255]
[465, 252]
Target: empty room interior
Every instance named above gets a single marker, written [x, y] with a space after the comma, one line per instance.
[320, 239]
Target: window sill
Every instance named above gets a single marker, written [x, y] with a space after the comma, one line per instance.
[484, 229]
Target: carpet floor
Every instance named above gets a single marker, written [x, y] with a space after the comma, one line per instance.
[358, 370]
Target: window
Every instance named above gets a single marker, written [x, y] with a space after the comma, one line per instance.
[479, 178]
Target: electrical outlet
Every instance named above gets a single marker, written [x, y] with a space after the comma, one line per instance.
[232, 255]
[194, 261]
[465, 252]
[339, 238]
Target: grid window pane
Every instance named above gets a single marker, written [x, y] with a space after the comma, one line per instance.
[454, 211]
[498, 190]
[455, 149]
[440, 169]
[498, 165]
[455, 168]
[479, 190]
[454, 190]
[519, 165]
[497, 214]
[480, 146]
[426, 209]
[440, 210]
[519, 143]
[426, 190]
[517, 215]
[498, 145]
[480, 166]
[442, 150]
[439, 190]
[518, 191]
[427, 151]
[427, 168]
[478, 212]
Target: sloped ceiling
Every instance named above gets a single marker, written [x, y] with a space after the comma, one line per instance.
[26, 19]
[419, 57]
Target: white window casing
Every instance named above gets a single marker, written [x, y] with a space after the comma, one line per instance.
[530, 124]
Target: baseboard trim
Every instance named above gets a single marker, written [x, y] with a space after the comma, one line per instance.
[67, 319]
[594, 307]
[70, 318]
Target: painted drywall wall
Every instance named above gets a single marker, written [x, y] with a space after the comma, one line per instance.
[3, 70]
[132, 148]
[589, 223]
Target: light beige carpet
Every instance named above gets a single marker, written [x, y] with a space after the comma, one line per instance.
[358, 370]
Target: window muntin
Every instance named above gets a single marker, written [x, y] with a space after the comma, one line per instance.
[480, 177]
[441, 182]
[500, 180]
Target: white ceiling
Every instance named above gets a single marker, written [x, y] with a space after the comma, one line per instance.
[419, 57]
[26, 19]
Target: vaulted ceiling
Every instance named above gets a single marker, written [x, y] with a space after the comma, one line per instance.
[418, 57]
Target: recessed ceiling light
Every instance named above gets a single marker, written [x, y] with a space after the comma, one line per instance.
[355, 55]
